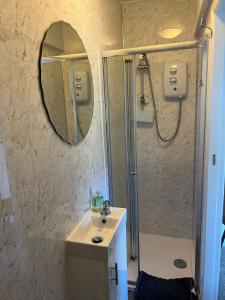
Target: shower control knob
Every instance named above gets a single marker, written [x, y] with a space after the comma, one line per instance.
[78, 78]
[79, 86]
[173, 70]
[173, 80]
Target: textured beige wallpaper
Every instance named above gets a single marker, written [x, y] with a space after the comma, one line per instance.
[142, 21]
[49, 180]
[165, 174]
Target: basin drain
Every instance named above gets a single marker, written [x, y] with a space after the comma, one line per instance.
[180, 263]
[97, 239]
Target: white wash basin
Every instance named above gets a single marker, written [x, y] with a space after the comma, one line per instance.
[80, 240]
[98, 271]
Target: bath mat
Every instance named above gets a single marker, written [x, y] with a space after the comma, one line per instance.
[154, 288]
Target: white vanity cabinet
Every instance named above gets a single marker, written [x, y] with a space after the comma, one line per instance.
[98, 271]
[117, 265]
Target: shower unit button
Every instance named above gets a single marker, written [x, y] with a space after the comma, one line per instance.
[175, 80]
[173, 70]
[78, 78]
[82, 86]
[79, 86]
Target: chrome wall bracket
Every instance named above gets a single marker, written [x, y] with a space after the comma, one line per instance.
[208, 30]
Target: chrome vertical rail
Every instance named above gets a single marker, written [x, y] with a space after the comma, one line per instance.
[199, 153]
[131, 157]
[130, 172]
[135, 178]
[107, 129]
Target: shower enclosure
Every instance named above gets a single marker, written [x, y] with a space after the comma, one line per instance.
[161, 249]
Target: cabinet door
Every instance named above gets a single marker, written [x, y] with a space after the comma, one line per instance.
[86, 279]
[118, 288]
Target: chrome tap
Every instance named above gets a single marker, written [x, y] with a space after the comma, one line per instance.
[105, 210]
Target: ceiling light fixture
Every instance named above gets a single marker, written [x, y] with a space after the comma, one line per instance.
[170, 33]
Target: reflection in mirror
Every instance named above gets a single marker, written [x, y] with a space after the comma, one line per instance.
[66, 82]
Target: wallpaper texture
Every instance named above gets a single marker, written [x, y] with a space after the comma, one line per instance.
[165, 173]
[49, 180]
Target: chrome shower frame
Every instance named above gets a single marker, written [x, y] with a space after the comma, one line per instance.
[199, 145]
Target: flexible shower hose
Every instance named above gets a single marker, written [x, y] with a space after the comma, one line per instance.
[170, 139]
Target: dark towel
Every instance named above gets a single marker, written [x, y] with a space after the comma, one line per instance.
[153, 288]
[223, 239]
[224, 206]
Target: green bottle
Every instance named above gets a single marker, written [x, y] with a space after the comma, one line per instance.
[97, 202]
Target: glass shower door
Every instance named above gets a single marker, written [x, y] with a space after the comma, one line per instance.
[119, 87]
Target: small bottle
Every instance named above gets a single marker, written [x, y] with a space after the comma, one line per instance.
[93, 203]
[97, 202]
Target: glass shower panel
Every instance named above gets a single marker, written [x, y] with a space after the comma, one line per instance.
[116, 145]
[165, 170]
[119, 81]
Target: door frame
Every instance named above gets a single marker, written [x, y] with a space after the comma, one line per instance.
[214, 162]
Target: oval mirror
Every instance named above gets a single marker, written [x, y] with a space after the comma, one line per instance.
[66, 82]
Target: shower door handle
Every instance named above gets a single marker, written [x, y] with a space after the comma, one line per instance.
[133, 173]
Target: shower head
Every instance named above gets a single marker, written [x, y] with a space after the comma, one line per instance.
[143, 64]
